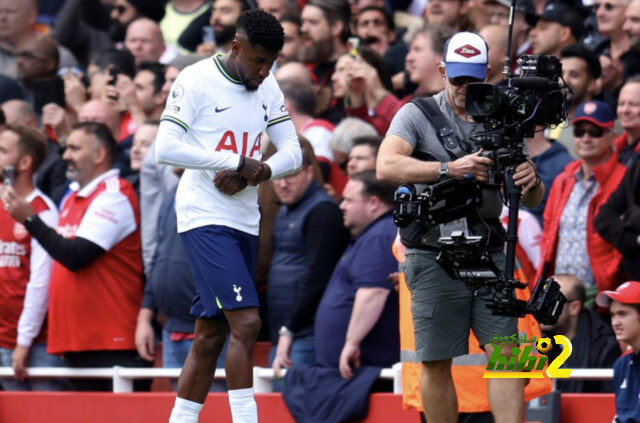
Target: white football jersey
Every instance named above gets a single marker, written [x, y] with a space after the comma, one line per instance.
[220, 115]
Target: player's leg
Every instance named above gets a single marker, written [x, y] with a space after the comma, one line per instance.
[199, 367]
[245, 325]
[240, 304]
[207, 248]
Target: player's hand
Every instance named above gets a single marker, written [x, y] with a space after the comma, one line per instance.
[350, 356]
[17, 206]
[19, 362]
[229, 182]
[144, 340]
[282, 359]
[471, 164]
[525, 176]
[250, 169]
[263, 175]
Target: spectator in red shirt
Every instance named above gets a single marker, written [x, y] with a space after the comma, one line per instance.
[570, 244]
[96, 281]
[25, 267]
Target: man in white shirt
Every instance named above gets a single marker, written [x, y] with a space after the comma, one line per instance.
[212, 126]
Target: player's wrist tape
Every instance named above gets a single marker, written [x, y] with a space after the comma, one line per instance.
[240, 164]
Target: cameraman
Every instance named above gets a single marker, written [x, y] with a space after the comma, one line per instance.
[444, 309]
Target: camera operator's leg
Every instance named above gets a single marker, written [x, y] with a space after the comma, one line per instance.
[441, 309]
[506, 397]
[438, 393]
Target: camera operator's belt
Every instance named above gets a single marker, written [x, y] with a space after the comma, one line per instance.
[454, 146]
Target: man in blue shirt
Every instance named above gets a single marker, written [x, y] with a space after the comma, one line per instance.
[357, 319]
[624, 305]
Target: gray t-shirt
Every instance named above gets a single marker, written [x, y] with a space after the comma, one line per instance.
[411, 125]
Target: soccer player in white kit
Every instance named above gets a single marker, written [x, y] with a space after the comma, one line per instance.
[212, 124]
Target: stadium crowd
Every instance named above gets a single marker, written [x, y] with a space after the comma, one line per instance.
[93, 273]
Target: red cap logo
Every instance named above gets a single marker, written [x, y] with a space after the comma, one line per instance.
[467, 51]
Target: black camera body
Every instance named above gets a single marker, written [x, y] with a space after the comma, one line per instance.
[511, 111]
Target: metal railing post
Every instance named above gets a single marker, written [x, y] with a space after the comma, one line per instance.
[121, 384]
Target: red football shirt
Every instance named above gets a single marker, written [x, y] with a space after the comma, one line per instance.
[96, 307]
[25, 268]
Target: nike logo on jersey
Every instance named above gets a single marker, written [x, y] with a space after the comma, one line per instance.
[218, 110]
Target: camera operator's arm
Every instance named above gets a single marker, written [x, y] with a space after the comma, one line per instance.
[527, 177]
[395, 164]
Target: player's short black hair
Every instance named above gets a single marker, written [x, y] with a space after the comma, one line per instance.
[262, 29]
[581, 52]
[157, 70]
[102, 134]
[374, 187]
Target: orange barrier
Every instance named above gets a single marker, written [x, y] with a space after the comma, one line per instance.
[54, 407]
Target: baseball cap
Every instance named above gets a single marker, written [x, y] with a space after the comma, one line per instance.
[596, 112]
[562, 14]
[522, 6]
[627, 293]
[465, 54]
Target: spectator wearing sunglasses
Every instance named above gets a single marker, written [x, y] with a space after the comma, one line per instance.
[570, 243]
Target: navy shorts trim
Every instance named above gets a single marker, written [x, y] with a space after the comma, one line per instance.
[223, 262]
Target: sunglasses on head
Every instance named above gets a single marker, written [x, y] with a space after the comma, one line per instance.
[607, 6]
[593, 131]
[460, 80]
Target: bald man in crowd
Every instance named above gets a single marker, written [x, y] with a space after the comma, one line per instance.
[144, 40]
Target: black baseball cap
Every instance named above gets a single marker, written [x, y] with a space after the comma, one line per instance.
[562, 14]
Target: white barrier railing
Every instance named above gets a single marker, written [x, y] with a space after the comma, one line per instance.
[123, 377]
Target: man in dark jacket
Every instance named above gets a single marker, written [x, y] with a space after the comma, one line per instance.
[308, 240]
[619, 221]
[594, 343]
